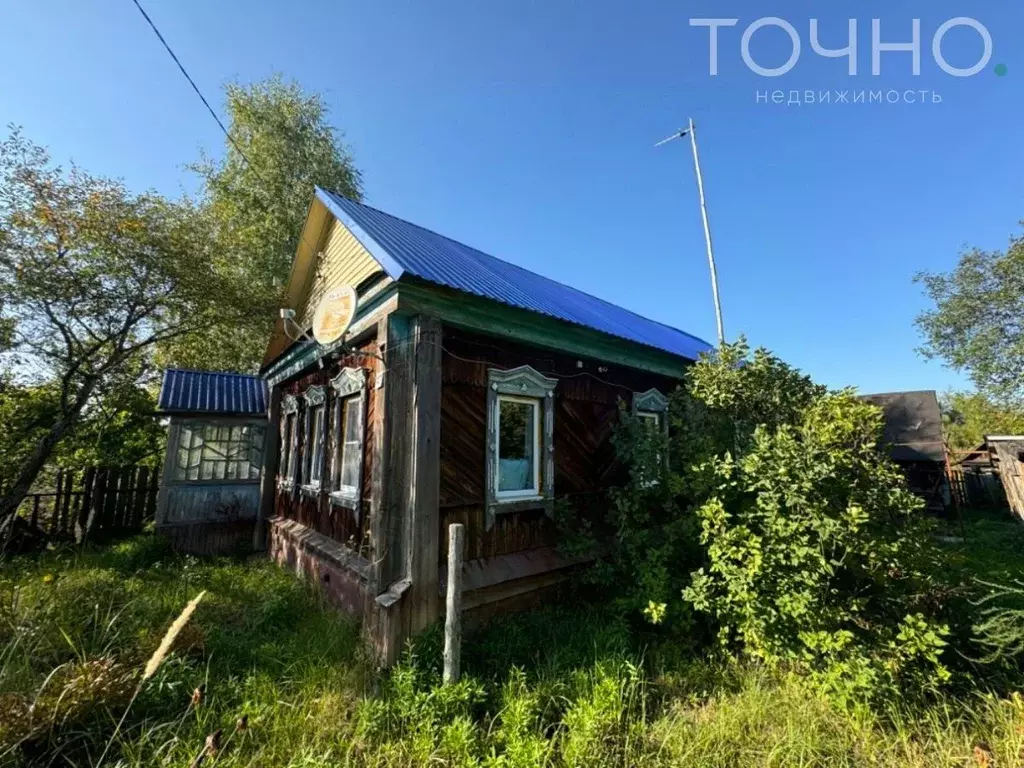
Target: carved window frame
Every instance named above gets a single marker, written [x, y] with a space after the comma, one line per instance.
[316, 401]
[523, 383]
[290, 438]
[349, 384]
[653, 403]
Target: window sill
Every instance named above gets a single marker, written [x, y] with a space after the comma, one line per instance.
[341, 499]
[520, 504]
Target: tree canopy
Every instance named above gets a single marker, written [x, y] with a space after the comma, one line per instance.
[977, 322]
[968, 416]
[93, 277]
[257, 195]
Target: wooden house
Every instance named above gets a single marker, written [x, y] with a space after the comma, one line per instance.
[210, 495]
[466, 389]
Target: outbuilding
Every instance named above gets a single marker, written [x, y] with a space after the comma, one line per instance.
[464, 389]
[210, 495]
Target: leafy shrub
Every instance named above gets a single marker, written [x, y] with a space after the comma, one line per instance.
[780, 519]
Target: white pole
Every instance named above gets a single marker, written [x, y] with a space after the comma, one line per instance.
[692, 130]
[453, 604]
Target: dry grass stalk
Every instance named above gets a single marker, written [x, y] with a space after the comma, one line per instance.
[154, 663]
[172, 633]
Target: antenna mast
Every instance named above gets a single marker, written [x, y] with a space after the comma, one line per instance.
[692, 131]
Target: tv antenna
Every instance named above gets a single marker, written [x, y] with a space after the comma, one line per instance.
[691, 131]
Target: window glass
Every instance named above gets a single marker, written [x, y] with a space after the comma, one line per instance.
[517, 445]
[351, 431]
[316, 439]
[650, 419]
[213, 452]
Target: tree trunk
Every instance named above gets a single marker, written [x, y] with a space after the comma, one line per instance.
[10, 502]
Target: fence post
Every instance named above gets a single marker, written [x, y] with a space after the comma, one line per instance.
[65, 507]
[453, 604]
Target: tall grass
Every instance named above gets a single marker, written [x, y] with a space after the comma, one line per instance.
[562, 687]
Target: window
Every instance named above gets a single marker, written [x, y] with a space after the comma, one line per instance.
[289, 440]
[518, 448]
[650, 419]
[650, 408]
[349, 438]
[313, 456]
[219, 452]
[520, 429]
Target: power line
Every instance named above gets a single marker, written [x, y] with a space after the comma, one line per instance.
[196, 89]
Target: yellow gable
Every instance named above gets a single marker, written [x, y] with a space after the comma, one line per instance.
[328, 255]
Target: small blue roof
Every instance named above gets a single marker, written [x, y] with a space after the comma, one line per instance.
[403, 248]
[233, 394]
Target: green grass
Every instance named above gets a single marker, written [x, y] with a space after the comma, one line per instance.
[562, 687]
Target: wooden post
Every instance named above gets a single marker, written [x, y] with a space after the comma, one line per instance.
[453, 604]
[268, 471]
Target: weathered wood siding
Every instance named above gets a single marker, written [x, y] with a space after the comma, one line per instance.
[342, 261]
[586, 411]
[316, 511]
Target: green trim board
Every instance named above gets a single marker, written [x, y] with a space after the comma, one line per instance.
[474, 313]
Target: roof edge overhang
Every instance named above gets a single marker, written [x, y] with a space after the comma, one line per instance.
[488, 316]
[387, 262]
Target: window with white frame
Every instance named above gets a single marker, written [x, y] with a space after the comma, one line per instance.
[289, 440]
[518, 427]
[218, 451]
[313, 456]
[520, 441]
[349, 430]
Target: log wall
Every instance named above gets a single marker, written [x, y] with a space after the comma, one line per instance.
[586, 411]
[316, 511]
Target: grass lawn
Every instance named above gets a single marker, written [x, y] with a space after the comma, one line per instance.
[565, 686]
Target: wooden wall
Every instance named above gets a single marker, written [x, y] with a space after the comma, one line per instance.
[586, 411]
[317, 512]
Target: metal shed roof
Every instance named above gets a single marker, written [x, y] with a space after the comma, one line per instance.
[913, 424]
[214, 393]
[403, 248]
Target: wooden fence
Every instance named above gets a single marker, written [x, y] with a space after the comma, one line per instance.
[976, 489]
[94, 503]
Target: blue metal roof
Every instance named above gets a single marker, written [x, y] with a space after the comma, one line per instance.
[214, 393]
[404, 248]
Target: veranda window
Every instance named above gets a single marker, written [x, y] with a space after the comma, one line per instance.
[216, 451]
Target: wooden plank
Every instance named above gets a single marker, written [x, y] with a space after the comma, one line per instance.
[55, 509]
[424, 524]
[65, 505]
[142, 482]
[82, 518]
[149, 509]
[268, 470]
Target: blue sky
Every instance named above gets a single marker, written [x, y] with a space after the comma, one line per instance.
[526, 129]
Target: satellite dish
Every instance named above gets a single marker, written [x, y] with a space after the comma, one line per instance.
[334, 314]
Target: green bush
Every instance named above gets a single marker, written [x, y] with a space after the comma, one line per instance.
[780, 523]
